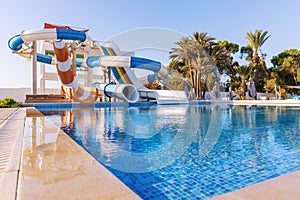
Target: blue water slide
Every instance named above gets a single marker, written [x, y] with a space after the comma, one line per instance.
[135, 62]
[144, 63]
[48, 60]
[79, 62]
[151, 78]
[66, 34]
[15, 43]
[44, 58]
[93, 61]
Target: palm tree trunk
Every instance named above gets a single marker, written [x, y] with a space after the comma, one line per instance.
[205, 86]
[191, 77]
[255, 75]
[197, 84]
[295, 78]
[194, 81]
[255, 66]
[200, 74]
[243, 89]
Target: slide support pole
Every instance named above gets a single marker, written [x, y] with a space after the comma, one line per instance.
[34, 68]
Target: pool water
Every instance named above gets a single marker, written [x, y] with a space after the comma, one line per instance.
[188, 151]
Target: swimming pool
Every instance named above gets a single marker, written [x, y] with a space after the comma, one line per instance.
[187, 151]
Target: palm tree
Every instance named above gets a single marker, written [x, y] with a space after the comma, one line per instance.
[201, 54]
[204, 40]
[218, 54]
[216, 50]
[255, 41]
[243, 72]
[194, 55]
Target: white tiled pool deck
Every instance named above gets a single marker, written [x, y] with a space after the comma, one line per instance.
[285, 187]
[39, 161]
[44, 163]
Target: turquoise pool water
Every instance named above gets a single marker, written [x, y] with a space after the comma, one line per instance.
[187, 152]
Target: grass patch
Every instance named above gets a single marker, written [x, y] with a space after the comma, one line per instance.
[9, 102]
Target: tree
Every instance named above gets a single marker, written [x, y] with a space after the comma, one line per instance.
[178, 66]
[195, 58]
[256, 57]
[228, 64]
[287, 63]
[219, 51]
[201, 55]
[178, 82]
[243, 73]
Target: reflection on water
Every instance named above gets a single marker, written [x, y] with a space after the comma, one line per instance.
[162, 149]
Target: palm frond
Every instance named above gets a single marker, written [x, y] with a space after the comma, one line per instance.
[256, 39]
[264, 38]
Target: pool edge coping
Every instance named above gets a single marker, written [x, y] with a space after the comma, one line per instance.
[232, 191]
[10, 181]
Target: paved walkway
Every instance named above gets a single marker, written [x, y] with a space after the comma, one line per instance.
[11, 137]
[281, 188]
[37, 160]
[5, 113]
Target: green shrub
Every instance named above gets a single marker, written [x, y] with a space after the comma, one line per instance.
[9, 102]
[177, 82]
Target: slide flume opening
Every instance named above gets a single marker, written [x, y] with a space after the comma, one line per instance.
[130, 93]
[125, 92]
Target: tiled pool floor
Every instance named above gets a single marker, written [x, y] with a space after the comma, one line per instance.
[53, 166]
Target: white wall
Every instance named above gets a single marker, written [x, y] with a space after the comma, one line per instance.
[19, 94]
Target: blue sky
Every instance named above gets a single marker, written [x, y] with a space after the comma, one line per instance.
[224, 20]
